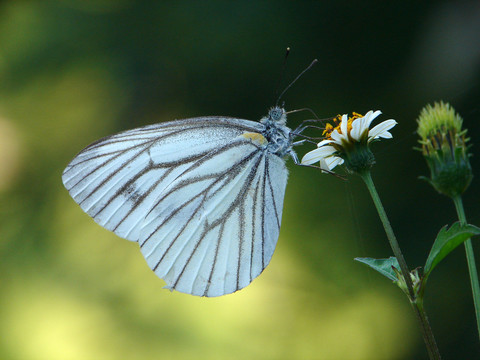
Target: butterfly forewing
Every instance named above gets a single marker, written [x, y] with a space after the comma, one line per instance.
[115, 180]
[203, 201]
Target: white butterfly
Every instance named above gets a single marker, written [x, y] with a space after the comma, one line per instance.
[203, 197]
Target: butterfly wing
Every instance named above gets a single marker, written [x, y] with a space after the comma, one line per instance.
[197, 195]
[117, 179]
[215, 228]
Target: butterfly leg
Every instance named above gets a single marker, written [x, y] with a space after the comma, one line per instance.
[300, 142]
[294, 156]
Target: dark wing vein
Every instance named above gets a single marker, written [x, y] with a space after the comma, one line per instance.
[142, 197]
[264, 179]
[198, 163]
[267, 176]
[237, 203]
[254, 226]
[217, 246]
[237, 167]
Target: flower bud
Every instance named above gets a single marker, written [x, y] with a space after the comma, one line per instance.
[444, 147]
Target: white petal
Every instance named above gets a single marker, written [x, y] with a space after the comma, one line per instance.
[323, 165]
[324, 142]
[358, 127]
[368, 114]
[344, 125]
[372, 115]
[337, 137]
[317, 155]
[369, 117]
[381, 130]
[332, 161]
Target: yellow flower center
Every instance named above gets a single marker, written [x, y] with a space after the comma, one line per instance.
[337, 125]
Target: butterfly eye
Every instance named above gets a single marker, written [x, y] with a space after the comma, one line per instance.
[276, 114]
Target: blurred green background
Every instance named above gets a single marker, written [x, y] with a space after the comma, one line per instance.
[73, 71]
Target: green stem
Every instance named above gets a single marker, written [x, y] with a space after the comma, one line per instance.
[427, 333]
[472, 269]
[417, 303]
[389, 230]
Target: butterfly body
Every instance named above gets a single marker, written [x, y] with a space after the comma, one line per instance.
[203, 197]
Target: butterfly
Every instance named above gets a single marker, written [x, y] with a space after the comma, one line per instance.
[203, 197]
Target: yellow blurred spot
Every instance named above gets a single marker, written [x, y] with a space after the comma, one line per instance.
[257, 139]
[43, 320]
[10, 153]
[288, 312]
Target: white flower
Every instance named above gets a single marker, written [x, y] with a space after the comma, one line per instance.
[345, 139]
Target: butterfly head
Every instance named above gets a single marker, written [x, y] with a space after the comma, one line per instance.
[276, 115]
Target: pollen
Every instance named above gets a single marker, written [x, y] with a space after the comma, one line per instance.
[256, 138]
[335, 124]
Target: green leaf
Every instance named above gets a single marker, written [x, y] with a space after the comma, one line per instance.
[446, 242]
[383, 266]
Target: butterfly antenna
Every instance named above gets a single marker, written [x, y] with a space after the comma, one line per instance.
[284, 66]
[295, 80]
[303, 109]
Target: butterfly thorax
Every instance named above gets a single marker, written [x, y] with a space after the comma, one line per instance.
[276, 132]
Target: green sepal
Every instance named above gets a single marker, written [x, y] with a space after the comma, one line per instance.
[447, 240]
[386, 267]
[427, 179]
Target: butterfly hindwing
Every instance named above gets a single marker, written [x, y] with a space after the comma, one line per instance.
[215, 228]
